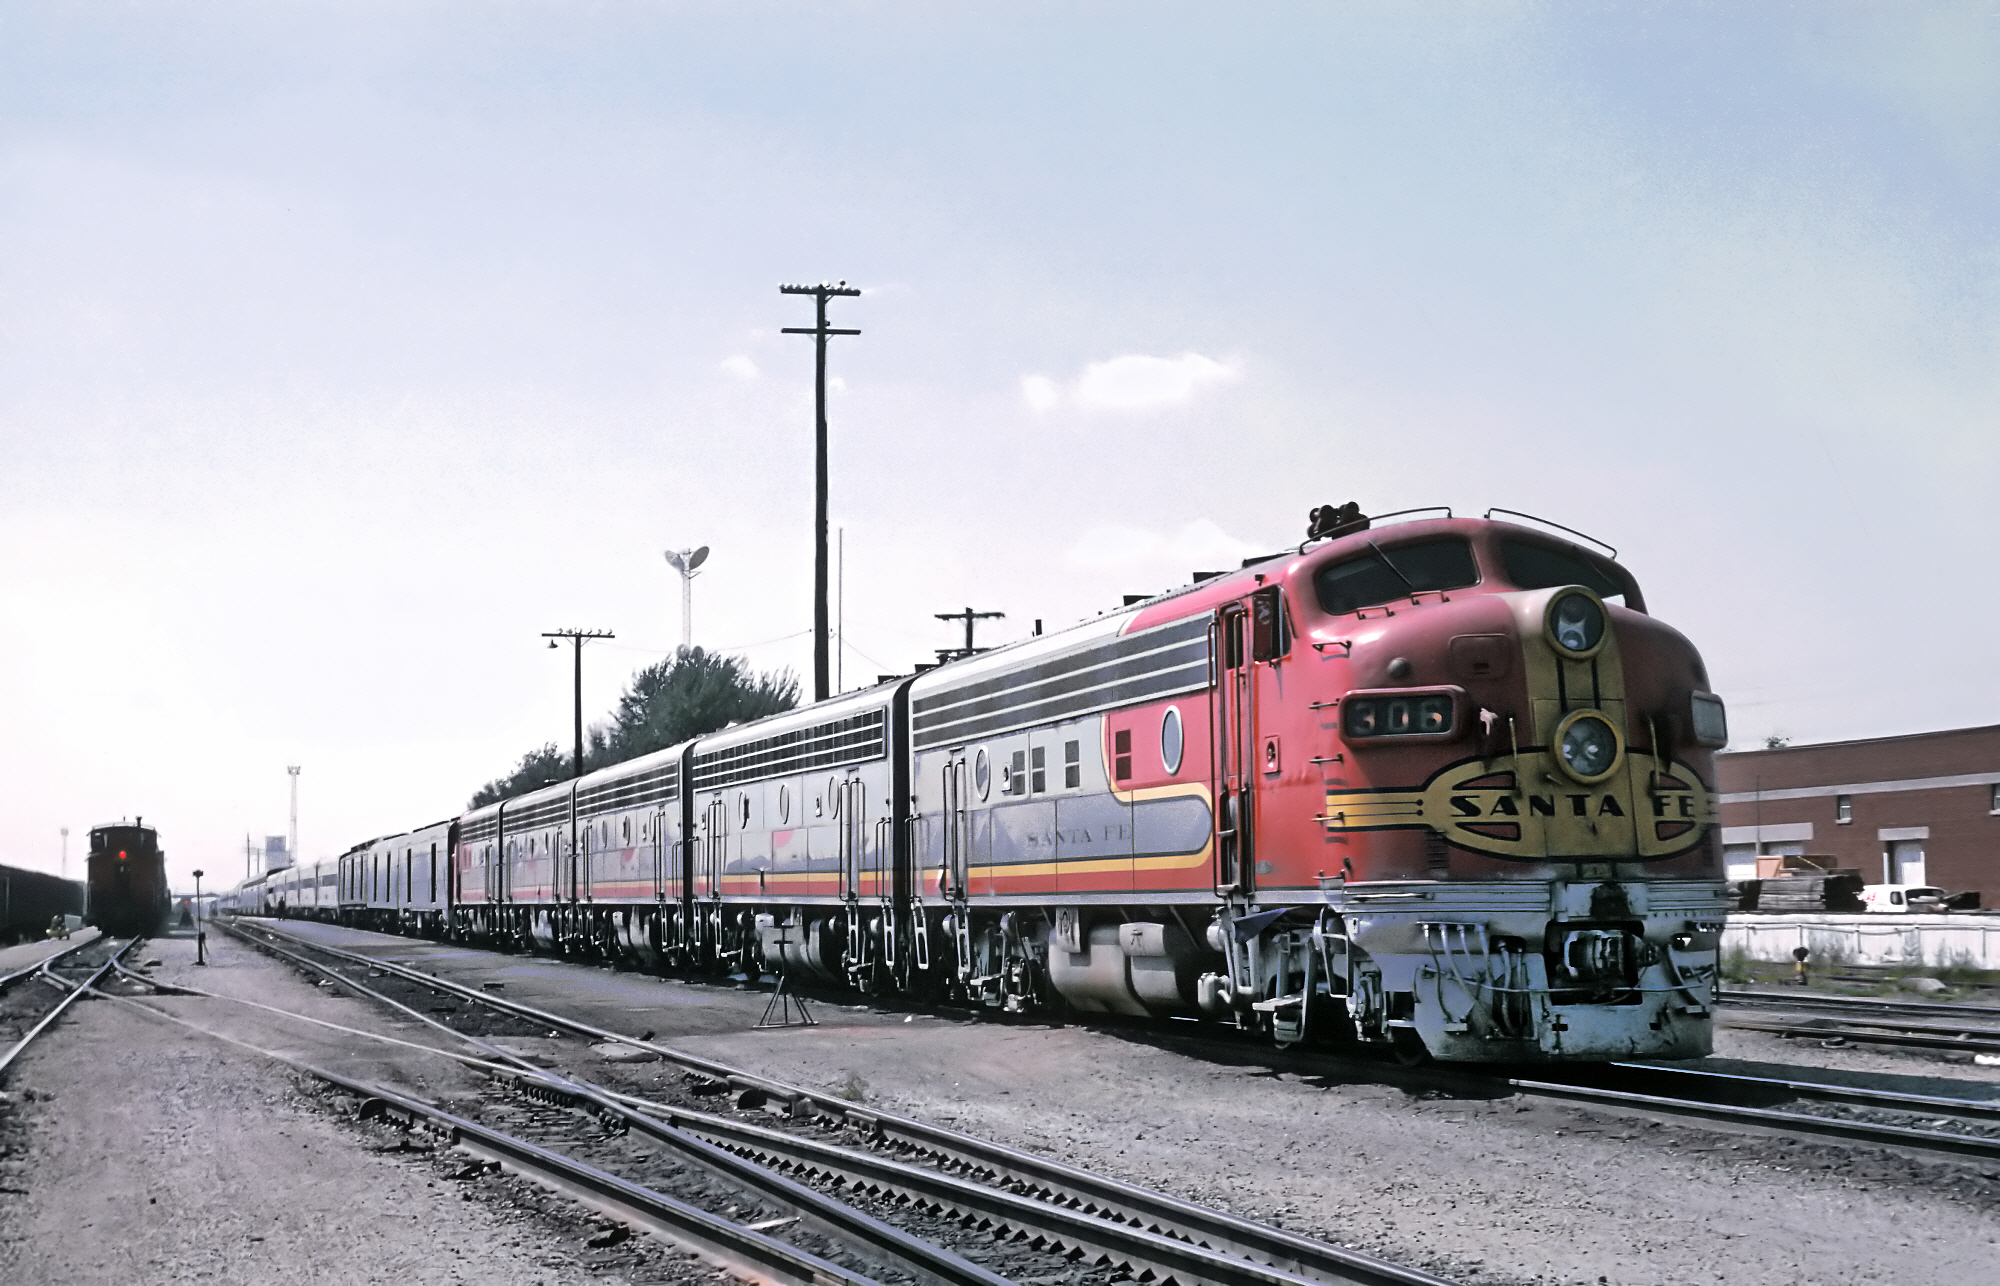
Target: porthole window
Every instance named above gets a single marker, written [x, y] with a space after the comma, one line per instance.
[833, 795]
[982, 773]
[784, 805]
[625, 829]
[1172, 740]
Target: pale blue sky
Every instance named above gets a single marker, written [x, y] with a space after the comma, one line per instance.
[345, 348]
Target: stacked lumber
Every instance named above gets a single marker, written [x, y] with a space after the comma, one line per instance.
[1809, 891]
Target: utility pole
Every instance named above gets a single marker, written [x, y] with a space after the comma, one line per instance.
[840, 611]
[293, 851]
[685, 561]
[249, 858]
[821, 333]
[577, 637]
[968, 616]
[65, 861]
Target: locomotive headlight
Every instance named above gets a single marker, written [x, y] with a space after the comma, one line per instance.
[1575, 623]
[1587, 746]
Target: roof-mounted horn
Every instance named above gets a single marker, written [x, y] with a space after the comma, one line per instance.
[1335, 520]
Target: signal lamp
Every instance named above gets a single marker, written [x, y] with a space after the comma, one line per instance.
[1575, 623]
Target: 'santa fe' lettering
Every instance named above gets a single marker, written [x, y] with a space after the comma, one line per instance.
[1545, 806]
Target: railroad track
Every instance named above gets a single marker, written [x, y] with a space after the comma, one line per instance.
[1870, 1021]
[22, 975]
[1821, 1001]
[1960, 1127]
[52, 968]
[810, 1150]
[1928, 1124]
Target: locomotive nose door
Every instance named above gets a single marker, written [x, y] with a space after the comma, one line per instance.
[1230, 719]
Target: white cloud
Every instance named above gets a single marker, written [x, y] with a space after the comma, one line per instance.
[1134, 382]
[739, 366]
[1137, 382]
[1199, 545]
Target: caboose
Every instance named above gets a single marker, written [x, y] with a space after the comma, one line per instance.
[127, 873]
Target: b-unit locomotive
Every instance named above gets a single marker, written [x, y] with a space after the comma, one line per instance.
[1440, 785]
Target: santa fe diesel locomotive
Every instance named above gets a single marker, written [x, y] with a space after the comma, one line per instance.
[1440, 785]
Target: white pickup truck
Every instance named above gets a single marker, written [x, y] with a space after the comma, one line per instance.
[1902, 899]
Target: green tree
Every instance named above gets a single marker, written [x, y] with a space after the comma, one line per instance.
[537, 768]
[691, 693]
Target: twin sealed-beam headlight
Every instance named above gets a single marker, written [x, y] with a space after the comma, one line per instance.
[1575, 623]
[1399, 714]
[1587, 746]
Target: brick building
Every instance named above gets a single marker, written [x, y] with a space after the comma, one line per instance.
[1917, 809]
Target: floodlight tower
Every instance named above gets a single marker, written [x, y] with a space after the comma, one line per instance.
[685, 561]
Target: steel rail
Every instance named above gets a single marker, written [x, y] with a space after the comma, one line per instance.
[827, 1215]
[48, 1020]
[1769, 1118]
[1856, 1004]
[1761, 1118]
[9, 979]
[741, 1248]
[1109, 1198]
[1821, 1091]
[1908, 1035]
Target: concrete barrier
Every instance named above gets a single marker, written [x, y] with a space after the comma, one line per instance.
[1968, 941]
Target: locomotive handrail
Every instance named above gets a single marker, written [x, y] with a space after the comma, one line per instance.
[1516, 513]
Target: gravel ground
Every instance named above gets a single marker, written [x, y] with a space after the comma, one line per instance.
[135, 1151]
[1509, 1190]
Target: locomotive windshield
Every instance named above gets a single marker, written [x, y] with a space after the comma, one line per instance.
[1530, 565]
[1384, 574]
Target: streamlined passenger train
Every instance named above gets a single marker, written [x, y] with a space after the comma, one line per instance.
[1439, 784]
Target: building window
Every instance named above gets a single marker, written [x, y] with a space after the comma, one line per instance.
[1038, 776]
[1072, 764]
[1121, 755]
[1843, 809]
